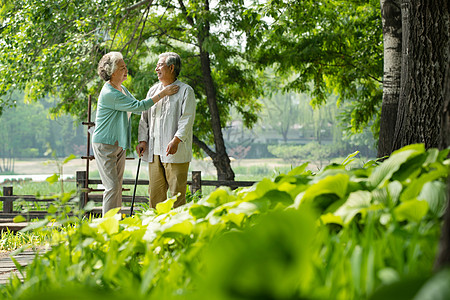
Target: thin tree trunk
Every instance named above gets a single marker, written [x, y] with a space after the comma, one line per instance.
[10, 160]
[220, 157]
[220, 160]
[392, 39]
[425, 53]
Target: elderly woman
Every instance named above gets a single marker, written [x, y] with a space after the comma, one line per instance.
[112, 133]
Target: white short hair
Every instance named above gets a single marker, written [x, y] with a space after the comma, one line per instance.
[108, 65]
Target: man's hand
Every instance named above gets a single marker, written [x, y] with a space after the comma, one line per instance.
[140, 148]
[172, 148]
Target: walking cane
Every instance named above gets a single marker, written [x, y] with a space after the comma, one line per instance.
[135, 186]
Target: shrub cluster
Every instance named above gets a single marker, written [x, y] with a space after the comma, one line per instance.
[336, 234]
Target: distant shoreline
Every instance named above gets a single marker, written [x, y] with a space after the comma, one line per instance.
[32, 177]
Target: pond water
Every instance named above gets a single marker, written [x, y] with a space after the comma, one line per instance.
[36, 177]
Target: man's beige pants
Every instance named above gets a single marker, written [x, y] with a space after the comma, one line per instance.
[110, 161]
[165, 177]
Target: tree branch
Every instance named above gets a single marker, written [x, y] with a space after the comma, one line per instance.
[117, 29]
[142, 20]
[140, 33]
[137, 5]
[184, 10]
[203, 146]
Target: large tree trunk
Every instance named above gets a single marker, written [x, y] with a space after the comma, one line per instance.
[425, 55]
[443, 257]
[220, 158]
[424, 107]
[424, 103]
[392, 40]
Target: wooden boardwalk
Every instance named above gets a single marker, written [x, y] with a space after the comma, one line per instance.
[8, 224]
[7, 266]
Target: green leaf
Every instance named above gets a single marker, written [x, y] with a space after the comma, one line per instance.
[384, 172]
[111, 213]
[238, 214]
[395, 191]
[415, 187]
[330, 218]
[436, 288]
[276, 197]
[388, 275]
[235, 218]
[349, 158]
[298, 170]
[52, 179]
[19, 219]
[413, 210]
[262, 203]
[411, 169]
[432, 157]
[220, 196]
[335, 184]
[434, 193]
[19, 267]
[199, 211]
[35, 225]
[177, 228]
[356, 261]
[165, 206]
[89, 206]
[69, 158]
[110, 225]
[357, 202]
[65, 197]
[248, 208]
[404, 289]
[52, 209]
[70, 10]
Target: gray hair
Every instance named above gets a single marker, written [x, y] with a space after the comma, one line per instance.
[108, 65]
[172, 58]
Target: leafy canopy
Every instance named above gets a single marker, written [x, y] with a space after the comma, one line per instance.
[327, 47]
[53, 47]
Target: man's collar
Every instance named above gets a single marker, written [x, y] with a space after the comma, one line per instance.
[175, 82]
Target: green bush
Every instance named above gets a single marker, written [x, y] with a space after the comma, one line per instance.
[311, 152]
[337, 234]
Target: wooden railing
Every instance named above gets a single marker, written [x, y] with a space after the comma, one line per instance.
[195, 185]
[87, 193]
[8, 199]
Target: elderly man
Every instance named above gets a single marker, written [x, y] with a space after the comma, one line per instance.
[165, 134]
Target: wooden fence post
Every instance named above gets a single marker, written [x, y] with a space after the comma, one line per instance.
[196, 182]
[81, 183]
[8, 203]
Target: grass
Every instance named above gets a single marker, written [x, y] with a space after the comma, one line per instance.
[10, 241]
[40, 188]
